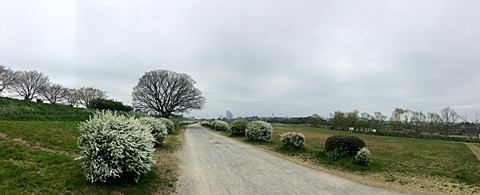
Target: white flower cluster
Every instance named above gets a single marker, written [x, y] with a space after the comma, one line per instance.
[205, 123]
[182, 123]
[364, 157]
[169, 124]
[293, 139]
[158, 128]
[259, 131]
[112, 144]
[220, 125]
[238, 127]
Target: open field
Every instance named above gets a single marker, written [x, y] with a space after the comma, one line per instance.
[37, 157]
[430, 165]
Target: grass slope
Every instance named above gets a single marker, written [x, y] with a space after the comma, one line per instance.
[13, 109]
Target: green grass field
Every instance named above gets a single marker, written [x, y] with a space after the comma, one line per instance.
[38, 154]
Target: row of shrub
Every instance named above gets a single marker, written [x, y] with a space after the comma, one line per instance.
[336, 147]
[112, 144]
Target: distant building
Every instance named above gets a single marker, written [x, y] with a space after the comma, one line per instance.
[229, 115]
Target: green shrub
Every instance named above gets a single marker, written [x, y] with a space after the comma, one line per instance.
[220, 126]
[169, 124]
[259, 131]
[335, 154]
[349, 144]
[205, 123]
[112, 145]
[158, 129]
[364, 157]
[238, 127]
[293, 139]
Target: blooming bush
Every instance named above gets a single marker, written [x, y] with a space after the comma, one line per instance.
[364, 157]
[158, 128]
[293, 139]
[220, 126]
[205, 123]
[111, 145]
[238, 127]
[348, 144]
[182, 123]
[169, 124]
[259, 131]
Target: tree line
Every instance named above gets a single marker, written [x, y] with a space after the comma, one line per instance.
[160, 92]
[35, 85]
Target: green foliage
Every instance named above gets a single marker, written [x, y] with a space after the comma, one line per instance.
[348, 144]
[238, 127]
[293, 139]
[104, 104]
[259, 131]
[335, 154]
[112, 145]
[364, 157]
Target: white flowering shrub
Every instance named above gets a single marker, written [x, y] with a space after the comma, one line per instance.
[220, 126]
[158, 129]
[169, 124]
[364, 157]
[205, 123]
[182, 123]
[111, 145]
[293, 139]
[259, 131]
[238, 127]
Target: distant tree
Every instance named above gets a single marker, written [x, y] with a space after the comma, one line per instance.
[434, 121]
[418, 121]
[365, 122]
[352, 118]
[54, 92]
[449, 117]
[28, 83]
[315, 120]
[73, 97]
[338, 120]
[87, 94]
[7, 77]
[166, 92]
[396, 119]
[104, 104]
[379, 119]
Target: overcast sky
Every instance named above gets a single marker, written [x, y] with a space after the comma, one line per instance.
[251, 57]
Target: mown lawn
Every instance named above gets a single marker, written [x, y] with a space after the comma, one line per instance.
[38, 157]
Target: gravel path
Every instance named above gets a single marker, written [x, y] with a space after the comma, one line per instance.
[214, 164]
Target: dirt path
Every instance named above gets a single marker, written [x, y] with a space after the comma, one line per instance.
[213, 164]
[475, 149]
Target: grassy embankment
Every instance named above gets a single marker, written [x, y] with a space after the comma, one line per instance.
[443, 166]
[39, 144]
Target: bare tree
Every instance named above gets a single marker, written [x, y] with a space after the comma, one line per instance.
[54, 92]
[7, 77]
[28, 83]
[434, 122]
[73, 97]
[87, 94]
[166, 92]
[449, 117]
